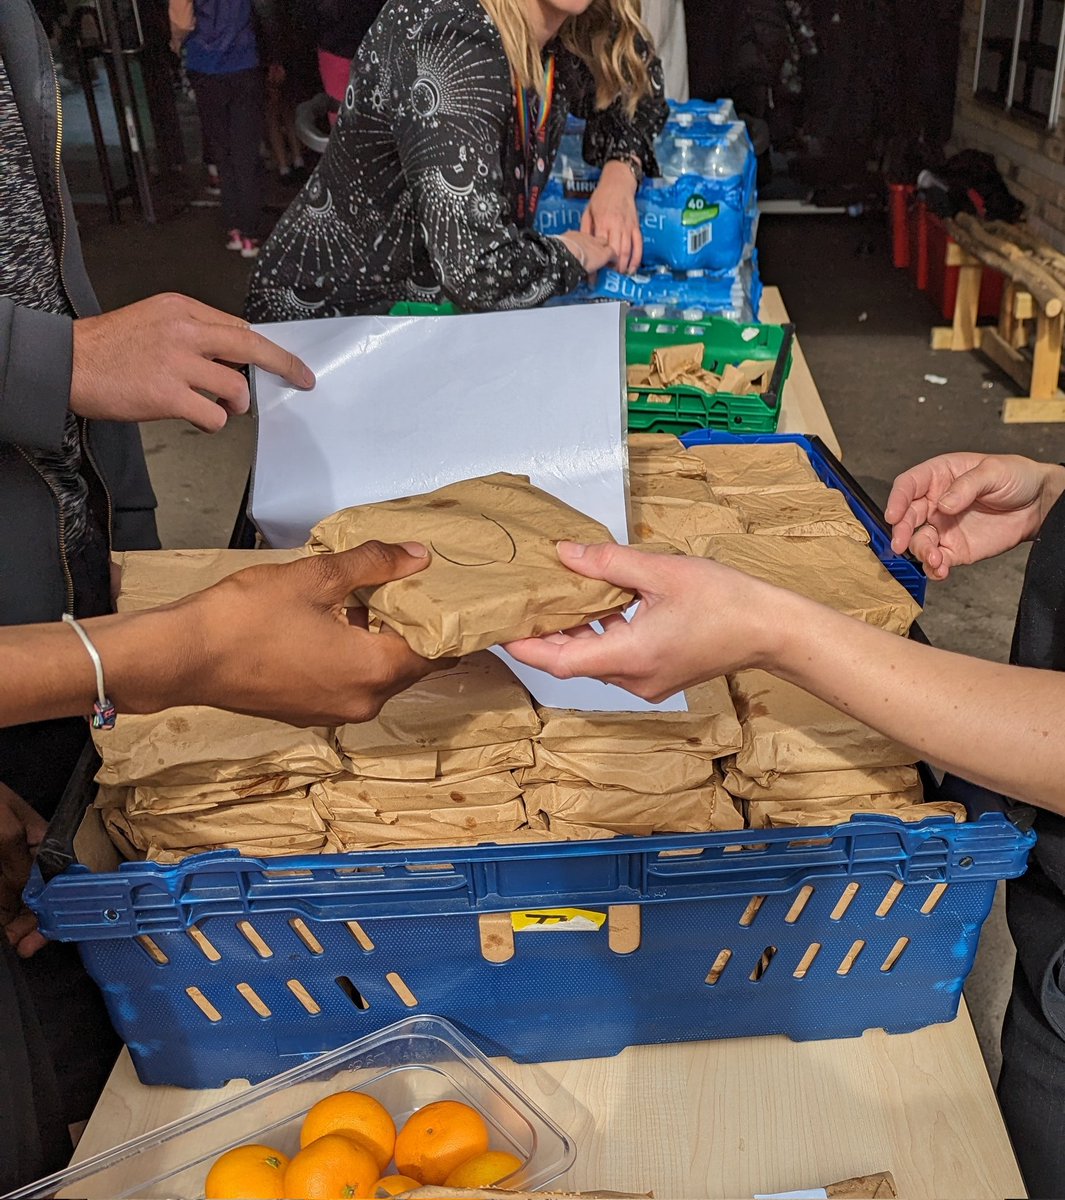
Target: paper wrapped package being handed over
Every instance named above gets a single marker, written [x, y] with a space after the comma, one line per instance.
[494, 574]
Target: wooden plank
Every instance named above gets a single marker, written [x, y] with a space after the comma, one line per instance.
[966, 308]
[1046, 355]
[1028, 410]
[1006, 358]
[956, 256]
[1007, 314]
[800, 1114]
[1023, 304]
[942, 337]
[801, 409]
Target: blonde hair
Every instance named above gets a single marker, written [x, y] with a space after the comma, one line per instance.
[604, 37]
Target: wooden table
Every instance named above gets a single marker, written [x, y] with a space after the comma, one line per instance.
[730, 1118]
[739, 1117]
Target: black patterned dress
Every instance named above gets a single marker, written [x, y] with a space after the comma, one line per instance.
[422, 193]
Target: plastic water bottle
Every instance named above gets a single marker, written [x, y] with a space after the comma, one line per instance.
[682, 156]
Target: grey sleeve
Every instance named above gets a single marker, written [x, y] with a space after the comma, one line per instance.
[36, 360]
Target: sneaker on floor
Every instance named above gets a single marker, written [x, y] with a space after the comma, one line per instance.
[249, 247]
[233, 240]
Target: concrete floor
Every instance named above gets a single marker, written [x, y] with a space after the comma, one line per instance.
[865, 331]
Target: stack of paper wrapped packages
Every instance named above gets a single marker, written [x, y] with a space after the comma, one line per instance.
[466, 756]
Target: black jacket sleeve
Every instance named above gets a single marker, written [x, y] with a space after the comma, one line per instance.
[36, 359]
[454, 101]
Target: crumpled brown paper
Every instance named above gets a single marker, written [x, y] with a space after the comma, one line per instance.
[786, 731]
[805, 512]
[654, 773]
[477, 702]
[253, 848]
[709, 727]
[494, 573]
[755, 467]
[635, 814]
[679, 522]
[816, 785]
[834, 571]
[662, 458]
[194, 746]
[907, 806]
[676, 487]
[149, 798]
[154, 577]
[434, 764]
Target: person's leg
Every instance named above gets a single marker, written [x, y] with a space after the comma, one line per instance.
[34, 1133]
[275, 128]
[245, 131]
[212, 101]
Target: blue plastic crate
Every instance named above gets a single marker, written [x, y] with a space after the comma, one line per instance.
[903, 567]
[227, 967]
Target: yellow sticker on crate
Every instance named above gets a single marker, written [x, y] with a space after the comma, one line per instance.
[580, 920]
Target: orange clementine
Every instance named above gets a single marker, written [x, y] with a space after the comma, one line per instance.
[360, 1117]
[393, 1185]
[332, 1167]
[247, 1173]
[438, 1138]
[484, 1170]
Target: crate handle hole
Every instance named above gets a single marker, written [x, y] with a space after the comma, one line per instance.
[966, 862]
[299, 927]
[152, 948]
[352, 992]
[400, 988]
[895, 953]
[934, 897]
[844, 902]
[851, 957]
[204, 943]
[720, 963]
[254, 999]
[806, 961]
[111, 914]
[304, 997]
[890, 896]
[360, 935]
[801, 901]
[203, 1004]
[430, 866]
[762, 965]
[255, 939]
[751, 911]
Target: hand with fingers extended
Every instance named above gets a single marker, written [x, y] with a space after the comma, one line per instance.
[963, 507]
[155, 359]
[21, 831]
[611, 216]
[696, 619]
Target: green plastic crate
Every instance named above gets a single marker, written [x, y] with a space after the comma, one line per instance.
[682, 409]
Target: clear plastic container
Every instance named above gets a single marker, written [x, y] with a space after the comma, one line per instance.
[407, 1065]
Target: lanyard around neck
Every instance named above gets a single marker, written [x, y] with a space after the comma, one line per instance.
[531, 132]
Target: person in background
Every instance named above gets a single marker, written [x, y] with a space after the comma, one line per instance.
[223, 66]
[429, 186]
[996, 725]
[340, 26]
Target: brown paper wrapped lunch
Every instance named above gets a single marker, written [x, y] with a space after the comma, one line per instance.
[675, 487]
[654, 773]
[192, 746]
[154, 577]
[150, 798]
[816, 785]
[662, 454]
[635, 814]
[786, 814]
[494, 573]
[679, 522]
[756, 467]
[786, 730]
[835, 571]
[806, 512]
[478, 702]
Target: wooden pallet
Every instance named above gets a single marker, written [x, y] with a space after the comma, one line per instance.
[1022, 324]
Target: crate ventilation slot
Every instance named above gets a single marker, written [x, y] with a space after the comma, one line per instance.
[895, 953]
[401, 989]
[806, 962]
[844, 902]
[720, 963]
[203, 1004]
[352, 992]
[801, 901]
[890, 896]
[851, 957]
[299, 927]
[257, 1003]
[934, 897]
[151, 947]
[255, 939]
[762, 965]
[304, 997]
[751, 911]
[204, 943]
[360, 935]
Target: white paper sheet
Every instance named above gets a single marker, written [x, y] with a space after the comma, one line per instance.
[404, 405]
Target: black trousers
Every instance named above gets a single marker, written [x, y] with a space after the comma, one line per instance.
[231, 113]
